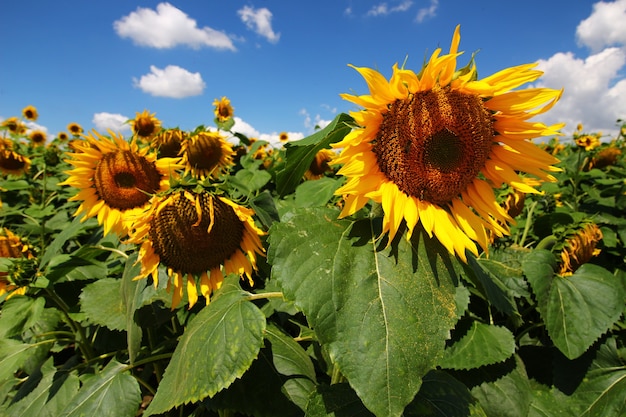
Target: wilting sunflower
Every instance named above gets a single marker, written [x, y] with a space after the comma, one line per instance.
[12, 162]
[580, 248]
[11, 246]
[169, 142]
[115, 178]
[223, 109]
[75, 129]
[206, 154]
[198, 237]
[145, 125]
[319, 165]
[37, 137]
[30, 113]
[605, 157]
[433, 145]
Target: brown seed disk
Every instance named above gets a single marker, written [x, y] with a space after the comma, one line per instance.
[125, 180]
[11, 161]
[434, 143]
[184, 244]
[204, 152]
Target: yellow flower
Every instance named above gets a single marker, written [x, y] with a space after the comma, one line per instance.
[11, 246]
[223, 109]
[169, 142]
[75, 129]
[319, 165]
[62, 136]
[14, 125]
[37, 137]
[206, 154]
[115, 179]
[145, 125]
[30, 113]
[12, 162]
[199, 238]
[283, 137]
[588, 142]
[432, 146]
[580, 248]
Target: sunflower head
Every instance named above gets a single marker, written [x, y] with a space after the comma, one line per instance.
[206, 154]
[75, 129]
[223, 109]
[14, 281]
[580, 248]
[197, 237]
[432, 146]
[116, 179]
[283, 137]
[14, 125]
[63, 137]
[605, 157]
[30, 113]
[319, 166]
[12, 162]
[38, 137]
[169, 142]
[587, 142]
[145, 125]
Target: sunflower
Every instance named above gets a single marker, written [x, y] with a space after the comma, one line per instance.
[12, 162]
[75, 129]
[169, 142]
[145, 125]
[11, 246]
[37, 137]
[587, 142]
[283, 137]
[605, 157]
[432, 146]
[197, 236]
[206, 154]
[319, 165]
[14, 125]
[115, 178]
[580, 248]
[30, 113]
[62, 136]
[223, 109]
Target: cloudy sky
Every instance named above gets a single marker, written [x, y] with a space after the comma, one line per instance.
[284, 64]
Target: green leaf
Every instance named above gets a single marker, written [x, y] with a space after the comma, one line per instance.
[577, 309]
[337, 400]
[131, 298]
[301, 153]
[315, 193]
[55, 247]
[372, 309]
[264, 208]
[112, 392]
[493, 287]
[248, 181]
[13, 354]
[50, 397]
[17, 313]
[102, 304]
[482, 345]
[218, 347]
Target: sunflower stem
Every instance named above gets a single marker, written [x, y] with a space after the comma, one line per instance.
[336, 376]
[529, 217]
[265, 295]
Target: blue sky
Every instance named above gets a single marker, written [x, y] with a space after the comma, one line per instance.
[283, 64]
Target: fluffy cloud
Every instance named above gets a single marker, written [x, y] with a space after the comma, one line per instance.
[605, 26]
[383, 9]
[259, 21]
[168, 27]
[594, 87]
[116, 122]
[426, 12]
[173, 82]
[245, 128]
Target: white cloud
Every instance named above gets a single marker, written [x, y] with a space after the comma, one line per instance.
[383, 9]
[116, 122]
[244, 128]
[604, 27]
[273, 138]
[168, 27]
[173, 82]
[426, 12]
[312, 124]
[594, 94]
[259, 21]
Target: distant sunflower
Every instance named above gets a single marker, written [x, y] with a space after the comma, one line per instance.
[30, 113]
[199, 237]
[319, 165]
[432, 146]
[12, 162]
[62, 136]
[223, 109]
[145, 125]
[11, 246]
[283, 137]
[37, 137]
[587, 142]
[605, 157]
[169, 142]
[75, 129]
[116, 179]
[206, 154]
[14, 125]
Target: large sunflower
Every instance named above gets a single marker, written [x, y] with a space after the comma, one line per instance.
[432, 146]
[198, 237]
[116, 178]
[206, 154]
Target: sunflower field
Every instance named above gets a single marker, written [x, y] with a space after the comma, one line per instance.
[436, 252]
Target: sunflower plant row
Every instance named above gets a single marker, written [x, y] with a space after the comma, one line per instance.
[435, 252]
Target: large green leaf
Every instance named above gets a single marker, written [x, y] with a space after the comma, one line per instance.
[111, 392]
[482, 345]
[217, 347]
[301, 153]
[13, 354]
[383, 314]
[316, 192]
[17, 313]
[577, 309]
[102, 304]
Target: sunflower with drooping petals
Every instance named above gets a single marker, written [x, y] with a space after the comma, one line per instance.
[12, 162]
[433, 145]
[580, 248]
[206, 154]
[116, 178]
[199, 238]
[11, 246]
[169, 142]
[223, 109]
[145, 125]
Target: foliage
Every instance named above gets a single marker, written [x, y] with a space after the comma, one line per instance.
[339, 322]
